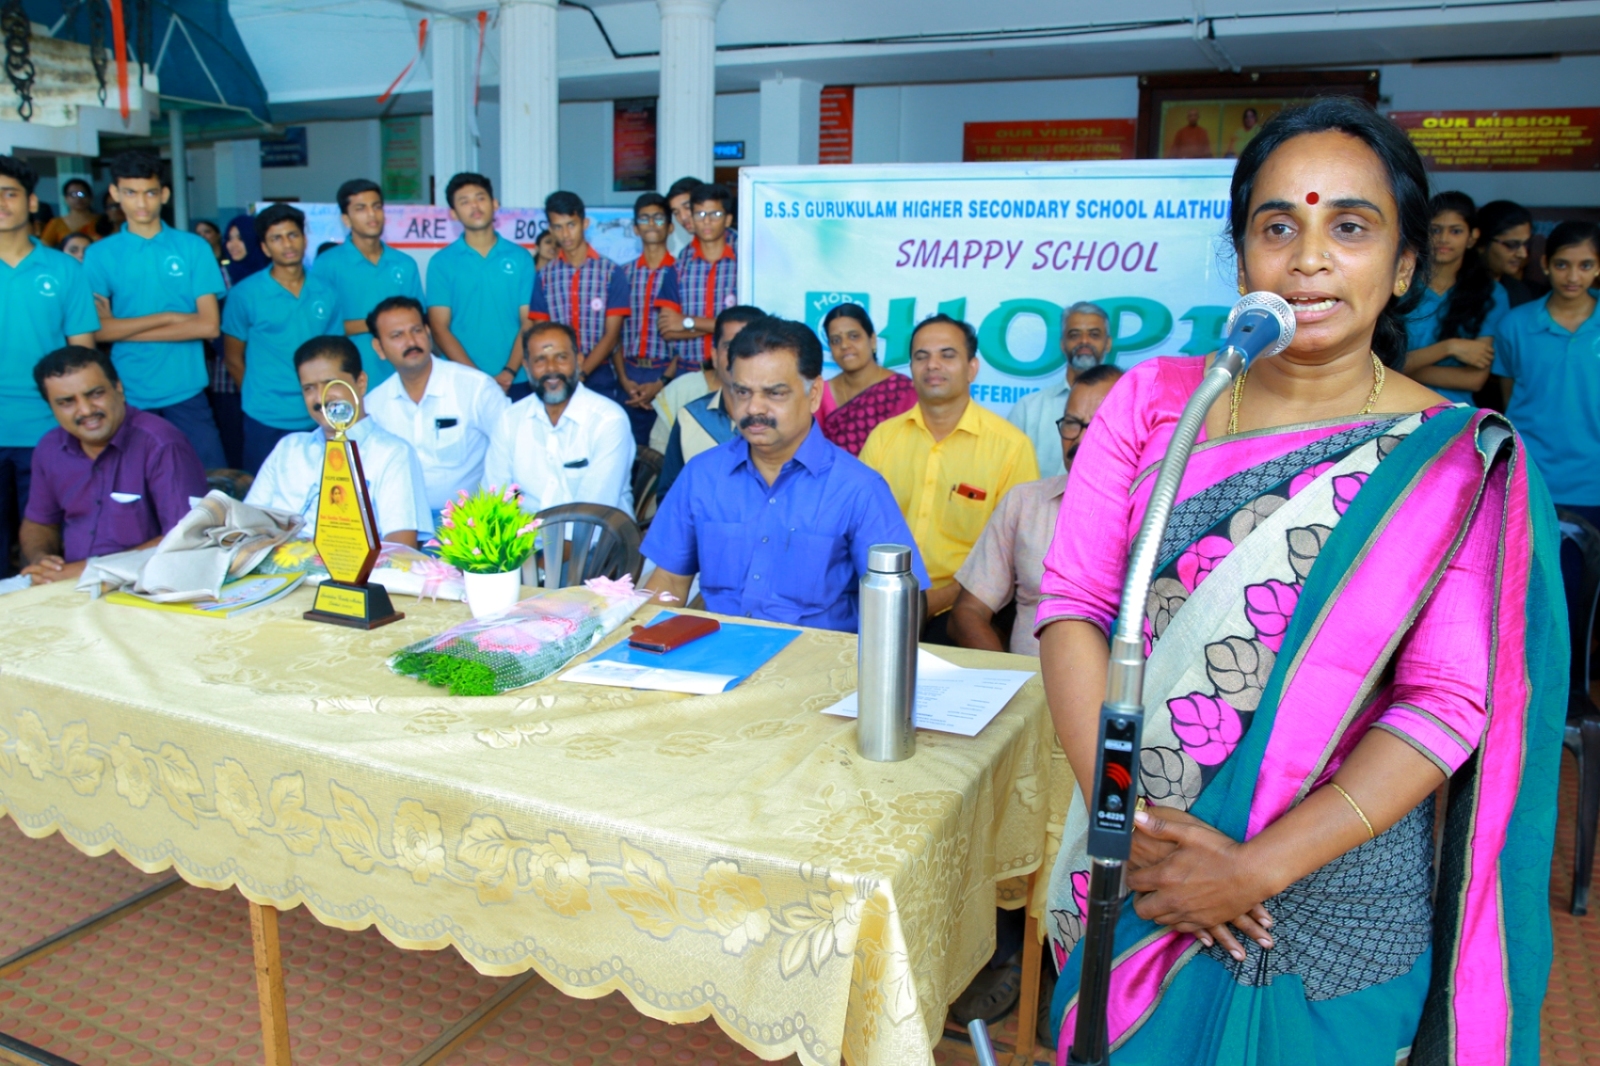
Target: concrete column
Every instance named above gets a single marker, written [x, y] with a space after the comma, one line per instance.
[238, 176]
[529, 120]
[450, 54]
[686, 109]
[791, 121]
[180, 172]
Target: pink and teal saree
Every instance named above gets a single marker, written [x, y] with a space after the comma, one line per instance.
[1318, 581]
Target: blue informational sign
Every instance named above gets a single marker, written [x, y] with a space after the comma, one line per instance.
[731, 151]
[1004, 246]
[290, 150]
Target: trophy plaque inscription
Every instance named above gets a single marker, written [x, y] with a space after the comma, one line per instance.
[347, 529]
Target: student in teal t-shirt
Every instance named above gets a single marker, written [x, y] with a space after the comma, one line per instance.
[364, 271]
[270, 314]
[45, 304]
[479, 286]
[1550, 351]
[1450, 333]
[156, 289]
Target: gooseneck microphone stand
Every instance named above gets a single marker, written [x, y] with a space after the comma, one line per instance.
[1261, 323]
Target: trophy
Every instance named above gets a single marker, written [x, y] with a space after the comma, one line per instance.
[347, 529]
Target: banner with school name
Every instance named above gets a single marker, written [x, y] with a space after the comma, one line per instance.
[421, 229]
[1004, 246]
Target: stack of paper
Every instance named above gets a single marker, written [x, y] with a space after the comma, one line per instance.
[951, 698]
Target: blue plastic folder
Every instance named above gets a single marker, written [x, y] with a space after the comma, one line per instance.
[734, 651]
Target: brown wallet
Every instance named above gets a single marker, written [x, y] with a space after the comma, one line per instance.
[674, 633]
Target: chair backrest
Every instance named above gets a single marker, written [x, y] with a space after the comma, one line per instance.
[579, 541]
[646, 472]
[1580, 574]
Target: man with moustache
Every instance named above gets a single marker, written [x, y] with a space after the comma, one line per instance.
[109, 478]
[1085, 339]
[444, 410]
[777, 521]
[564, 443]
[948, 461]
[1008, 559]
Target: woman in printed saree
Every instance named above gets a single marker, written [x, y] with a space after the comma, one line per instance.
[863, 393]
[1356, 601]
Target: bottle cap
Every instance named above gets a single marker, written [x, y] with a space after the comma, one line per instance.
[889, 559]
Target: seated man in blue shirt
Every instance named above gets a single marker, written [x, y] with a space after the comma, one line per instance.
[776, 521]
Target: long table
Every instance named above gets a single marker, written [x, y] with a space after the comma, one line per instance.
[727, 856]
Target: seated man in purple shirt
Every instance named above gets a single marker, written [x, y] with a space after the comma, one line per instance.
[777, 521]
[109, 478]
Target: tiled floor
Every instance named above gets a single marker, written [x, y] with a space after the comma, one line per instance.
[173, 983]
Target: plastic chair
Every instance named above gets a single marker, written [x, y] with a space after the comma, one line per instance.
[646, 472]
[1580, 572]
[587, 540]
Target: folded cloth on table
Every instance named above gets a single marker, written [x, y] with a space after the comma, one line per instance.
[221, 538]
[528, 643]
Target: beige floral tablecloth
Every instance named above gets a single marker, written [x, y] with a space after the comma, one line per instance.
[729, 855]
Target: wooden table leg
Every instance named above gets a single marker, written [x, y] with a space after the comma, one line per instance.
[269, 986]
[1028, 1008]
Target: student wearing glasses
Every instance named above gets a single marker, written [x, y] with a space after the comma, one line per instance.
[644, 361]
[704, 282]
[1507, 229]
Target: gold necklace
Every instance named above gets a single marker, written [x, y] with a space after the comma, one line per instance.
[1238, 392]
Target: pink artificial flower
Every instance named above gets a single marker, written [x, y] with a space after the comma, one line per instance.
[507, 495]
[432, 543]
[1269, 606]
[1207, 727]
[1200, 558]
[472, 523]
[477, 551]
[1345, 488]
[1307, 476]
[529, 528]
[620, 589]
[525, 636]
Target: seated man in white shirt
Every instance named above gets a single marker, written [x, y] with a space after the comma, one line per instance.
[444, 410]
[564, 443]
[291, 477]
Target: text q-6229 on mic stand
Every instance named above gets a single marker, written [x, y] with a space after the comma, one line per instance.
[1260, 325]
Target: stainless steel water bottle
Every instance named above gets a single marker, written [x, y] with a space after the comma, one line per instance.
[886, 655]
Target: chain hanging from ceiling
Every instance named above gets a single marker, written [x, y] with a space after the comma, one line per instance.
[19, 63]
[97, 45]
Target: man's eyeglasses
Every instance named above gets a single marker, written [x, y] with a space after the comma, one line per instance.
[1511, 246]
[1070, 427]
[709, 214]
[650, 220]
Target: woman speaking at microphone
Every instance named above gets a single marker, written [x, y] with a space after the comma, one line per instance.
[1356, 601]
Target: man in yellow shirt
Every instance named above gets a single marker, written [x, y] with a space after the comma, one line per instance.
[948, 461]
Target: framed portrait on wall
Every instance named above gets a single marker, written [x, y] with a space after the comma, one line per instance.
[1213, 116]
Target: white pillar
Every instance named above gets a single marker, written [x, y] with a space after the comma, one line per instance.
[686, 110]
[450, 55]
[791, 121]
[529, 120]
[238, 176]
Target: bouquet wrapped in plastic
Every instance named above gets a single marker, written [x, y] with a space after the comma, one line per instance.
[536, 638]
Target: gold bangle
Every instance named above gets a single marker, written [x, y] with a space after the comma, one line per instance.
[1355, 807]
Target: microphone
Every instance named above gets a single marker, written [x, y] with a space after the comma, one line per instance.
[1260, 325]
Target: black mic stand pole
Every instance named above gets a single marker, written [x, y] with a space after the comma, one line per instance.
[1116, 776]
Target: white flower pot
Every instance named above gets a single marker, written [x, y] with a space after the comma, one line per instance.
[492, 594]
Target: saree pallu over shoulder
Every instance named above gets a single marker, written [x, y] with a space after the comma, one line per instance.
[1307, 608]
[850, 424]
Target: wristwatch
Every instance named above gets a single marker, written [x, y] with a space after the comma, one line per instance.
[688, 323]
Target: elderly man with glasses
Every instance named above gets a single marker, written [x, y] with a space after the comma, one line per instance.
[1086, 338]
[1005, 564]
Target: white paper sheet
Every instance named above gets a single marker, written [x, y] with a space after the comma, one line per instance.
[628, 675]
[950, 698]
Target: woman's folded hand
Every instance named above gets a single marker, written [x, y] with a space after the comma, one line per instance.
[1197, 880]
